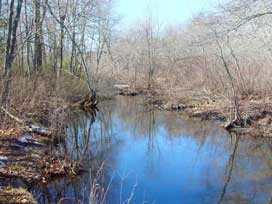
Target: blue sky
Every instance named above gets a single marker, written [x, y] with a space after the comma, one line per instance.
[167, 11]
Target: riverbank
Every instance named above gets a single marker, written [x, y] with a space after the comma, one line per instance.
[11, 195]
[256, 114]
[133, 138]
[29, 158]
[32, 133]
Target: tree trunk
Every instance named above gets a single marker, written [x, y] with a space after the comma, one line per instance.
[72, 66]
[44, 55]
[61, 46]
[22, 61]
[73, 52]
[237, 115]
[86, 70]
[10, 48]
[0, 7]
[37, 62]
[27, 42]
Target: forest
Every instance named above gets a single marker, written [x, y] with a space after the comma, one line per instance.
[63, 56]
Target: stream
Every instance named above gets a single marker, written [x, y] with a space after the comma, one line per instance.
[150, 156]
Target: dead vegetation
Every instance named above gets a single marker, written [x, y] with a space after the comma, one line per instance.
[42, 99]
[256, 115]
[32, 127]
[10, 195]
[217, 65]
[29, 158]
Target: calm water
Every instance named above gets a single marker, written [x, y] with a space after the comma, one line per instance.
[161, 157]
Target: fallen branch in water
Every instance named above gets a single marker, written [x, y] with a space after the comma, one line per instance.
[89, 102]
[28, 125]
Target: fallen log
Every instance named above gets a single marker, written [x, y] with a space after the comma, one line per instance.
[30, 127]
[87, 103]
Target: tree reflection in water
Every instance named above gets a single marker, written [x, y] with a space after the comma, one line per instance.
[174, 159]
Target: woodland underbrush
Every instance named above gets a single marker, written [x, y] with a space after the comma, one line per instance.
[39, 97]
[210, 97]
[32, 130]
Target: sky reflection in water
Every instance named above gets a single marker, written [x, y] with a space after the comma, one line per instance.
[162, 157]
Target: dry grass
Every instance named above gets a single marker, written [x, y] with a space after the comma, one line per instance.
[15, 195]
[37, 98]
[40, 100]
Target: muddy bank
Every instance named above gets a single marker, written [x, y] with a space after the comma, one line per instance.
[28, 159]
[10, 195]
[256, 114]
[32, 129]
[32, 155]
[130, 136]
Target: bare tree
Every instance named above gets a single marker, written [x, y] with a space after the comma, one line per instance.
[237, 116]
[73, 51]
[149, 30]
[62, 17]
[13, 22]
[27, 35]
[150, 53]
[86, 71]
[37, 61]
[1, 7]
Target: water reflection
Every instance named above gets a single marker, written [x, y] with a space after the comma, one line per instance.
[161, 157]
